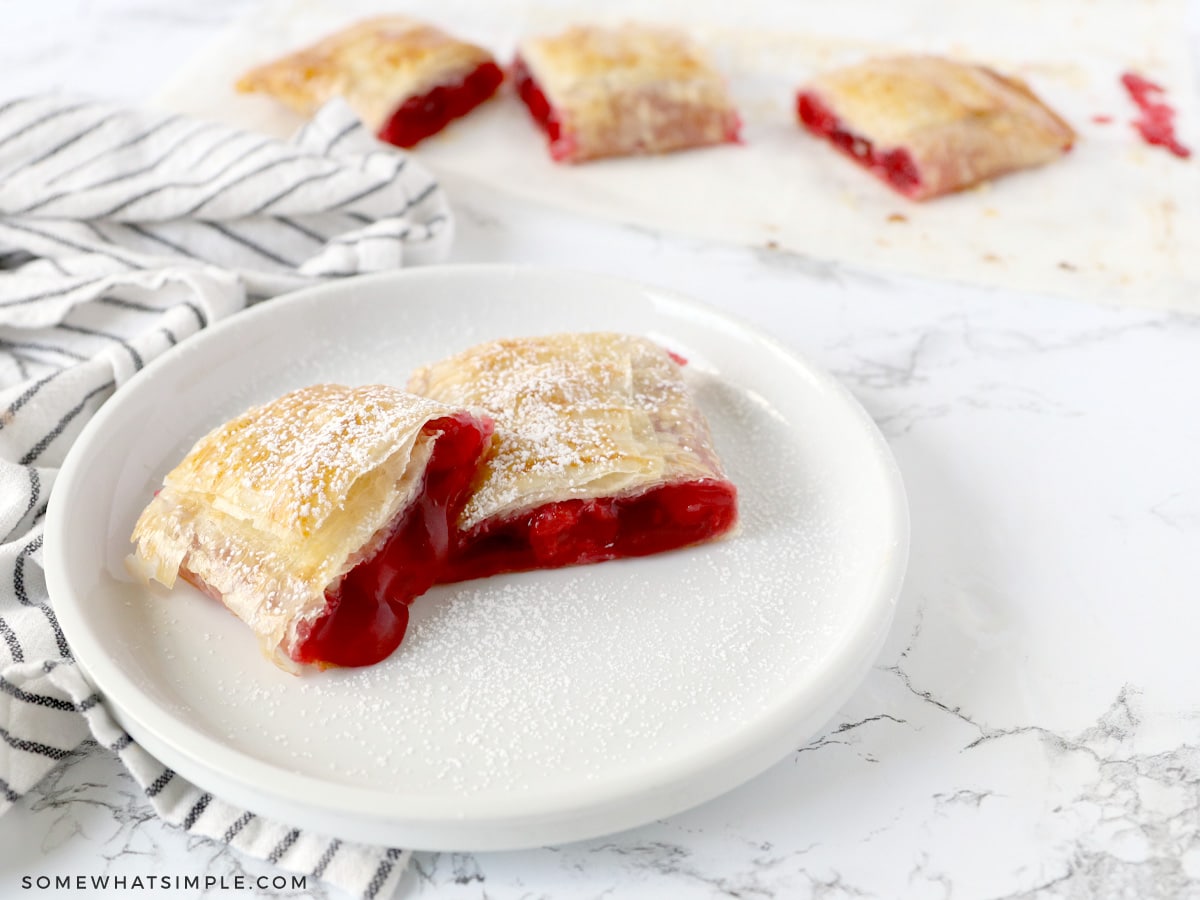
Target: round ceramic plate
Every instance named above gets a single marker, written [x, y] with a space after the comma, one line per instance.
[520, 710]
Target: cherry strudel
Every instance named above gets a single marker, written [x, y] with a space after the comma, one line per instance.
[928, 126]
[405, 79]
[600, 92]
[318, 517]
[601, 453]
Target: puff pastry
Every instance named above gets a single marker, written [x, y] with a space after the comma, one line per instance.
[316, 518]
[601, 452]
[405, 79]
[600, 92]
[929, 126]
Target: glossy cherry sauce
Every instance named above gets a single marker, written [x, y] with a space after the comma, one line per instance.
[531, 94]
[896, 167]
[427, 114]
[571, 532]
[1156, 124]
[367, 614]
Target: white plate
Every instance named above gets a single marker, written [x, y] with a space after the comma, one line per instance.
[522, 710]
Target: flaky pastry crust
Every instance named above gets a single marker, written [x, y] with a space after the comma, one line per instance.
[375, 65]
[270, 509]
[961, 123]
[630, 89]
[578, 416]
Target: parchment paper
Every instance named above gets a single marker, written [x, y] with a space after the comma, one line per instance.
[1116, 220]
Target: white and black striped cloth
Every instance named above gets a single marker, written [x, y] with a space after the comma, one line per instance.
[122, 232]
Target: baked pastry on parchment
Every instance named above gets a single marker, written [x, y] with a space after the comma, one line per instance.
[928, 126]
[600, 92]
[405, 79]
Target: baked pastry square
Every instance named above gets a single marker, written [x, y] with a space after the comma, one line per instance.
[600, 92]
[318, 517]
[601, 453]
[928, 126]
[405, 79]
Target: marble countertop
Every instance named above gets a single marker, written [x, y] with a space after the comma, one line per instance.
[1032, 726]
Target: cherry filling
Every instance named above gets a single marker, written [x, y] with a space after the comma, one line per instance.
[896, 167]
[367, 613]
[1156, 124]
[426, 114]
[570, 532]
[543, 113]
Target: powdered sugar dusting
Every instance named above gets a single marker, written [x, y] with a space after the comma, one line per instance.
[243, 514]
[577, 415]
[290, 462]
[539, 682]
[584, 681]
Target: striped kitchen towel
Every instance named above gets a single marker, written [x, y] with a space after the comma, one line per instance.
[122, 232]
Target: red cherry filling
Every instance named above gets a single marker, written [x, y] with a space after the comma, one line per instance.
[531, 94]
[896, 167]
[367, 613]
[570, 532]
[426, 114]
[1156, 124]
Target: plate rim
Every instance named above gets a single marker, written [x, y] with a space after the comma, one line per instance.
[231, 773]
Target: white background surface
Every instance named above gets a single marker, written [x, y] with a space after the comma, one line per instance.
[1031, 728]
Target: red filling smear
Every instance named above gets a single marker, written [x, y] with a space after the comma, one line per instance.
[570, 532]
[733, 129]
[1156, 124]
[562, 147]
[426, 114]
[1102, 120]
[896, 167]
[367, 614]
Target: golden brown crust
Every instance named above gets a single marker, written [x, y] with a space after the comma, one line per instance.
[961, 123]
[577, 416]
[375, 65]
[271, 508]
[632, 89]
[635, 54]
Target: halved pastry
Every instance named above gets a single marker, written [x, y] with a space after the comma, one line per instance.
[406, 80]
[318, 517]
[600, 92]
[600, 453]
[929, 126]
